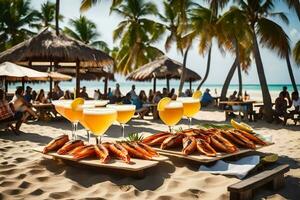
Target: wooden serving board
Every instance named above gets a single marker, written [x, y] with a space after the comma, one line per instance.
[136, 166]
[196, 156]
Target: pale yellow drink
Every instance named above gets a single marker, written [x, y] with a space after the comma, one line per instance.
[124, 114]
[191, 106]
[172, 113]
[98, 120]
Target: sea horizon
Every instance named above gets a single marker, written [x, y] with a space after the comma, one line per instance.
[125, 86]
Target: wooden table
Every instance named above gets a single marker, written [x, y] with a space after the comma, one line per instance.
[239, 103]
[44, 110]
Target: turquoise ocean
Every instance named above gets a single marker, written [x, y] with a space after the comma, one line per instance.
[126, 86]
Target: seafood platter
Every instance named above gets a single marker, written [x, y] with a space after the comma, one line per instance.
[123, 155]
[205, 145]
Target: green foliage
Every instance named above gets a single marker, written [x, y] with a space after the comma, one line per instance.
[218, 126]
[136, 34]
[85, 30]
[296, 53]
[17, 19]
[134, 137]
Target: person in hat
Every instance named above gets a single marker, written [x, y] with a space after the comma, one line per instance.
[206, 98]
[28, 94]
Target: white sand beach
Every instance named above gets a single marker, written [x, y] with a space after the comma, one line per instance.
[26, 174]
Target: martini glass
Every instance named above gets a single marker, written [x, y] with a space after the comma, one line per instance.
[64, 108]
[124, 112]
[191, 106]
[171, 114]
[98, 120]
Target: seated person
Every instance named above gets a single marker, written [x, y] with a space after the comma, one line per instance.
[33, 96]
[157, 97]
[280, 108]
[171, 93]
[67, 95]
[286, 94]
[28, 95]
[165, 92]
[20, 105]
[138, 102]
[150, 96]
[188, 93]
[233, 97]
[206, 98]
[8, 114]
[57, 92]
[41, 97]
[296, 103]
[127, 99]
[97, 95]
[84, 94]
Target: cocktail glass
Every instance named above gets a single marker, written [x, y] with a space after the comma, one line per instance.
[98, 120]
[191, 106]
[171, 114]
[124, 112]
[64, 108]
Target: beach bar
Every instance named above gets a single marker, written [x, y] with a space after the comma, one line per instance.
[47, 46]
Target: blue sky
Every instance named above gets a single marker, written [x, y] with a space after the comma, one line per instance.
[275, 68]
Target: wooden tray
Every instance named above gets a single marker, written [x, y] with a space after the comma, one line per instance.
[176, 152]
[135, 167]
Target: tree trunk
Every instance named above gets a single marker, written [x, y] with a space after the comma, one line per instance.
[77, 91]
[182, 77]
[268, 112]
[291, 72]
[57, 17]
[237, 54]
[207, 68]
[227, 81]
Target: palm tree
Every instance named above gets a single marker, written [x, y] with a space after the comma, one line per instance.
[86, 31]
[16, 20]
[203, 22]
[87, 4]
[271, 35]
[47, 15]
[175, 21]
[237, 39]
[136, 34]
[296, 53]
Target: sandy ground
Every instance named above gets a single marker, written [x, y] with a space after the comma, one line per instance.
[25, 174]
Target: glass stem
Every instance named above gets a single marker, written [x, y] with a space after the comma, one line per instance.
[98, 140]
[88, 134]
[74, 129]
[170, 129]
[190, 122]
[123, 130]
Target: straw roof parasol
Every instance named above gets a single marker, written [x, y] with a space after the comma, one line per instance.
[47, 46]
[162, 68]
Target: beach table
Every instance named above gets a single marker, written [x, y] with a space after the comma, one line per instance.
[44, 110]
[241, 104]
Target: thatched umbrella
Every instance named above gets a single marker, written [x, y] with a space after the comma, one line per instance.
[91, 74]
[12, 72]
[46, 46]
[162, 68]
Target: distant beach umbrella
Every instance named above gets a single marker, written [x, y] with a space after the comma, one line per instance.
[162, 68]
[47, 46]
[13, 72]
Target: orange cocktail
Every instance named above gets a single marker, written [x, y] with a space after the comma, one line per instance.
[191, 107]
[124, 114]
[172, 113]
[98, 120]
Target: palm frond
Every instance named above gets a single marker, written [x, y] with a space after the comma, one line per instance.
[296, 53]
[273, 36]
